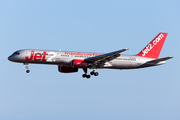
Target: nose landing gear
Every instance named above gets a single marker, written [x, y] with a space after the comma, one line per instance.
[27, 67]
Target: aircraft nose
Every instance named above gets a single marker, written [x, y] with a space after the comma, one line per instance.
[10, 58]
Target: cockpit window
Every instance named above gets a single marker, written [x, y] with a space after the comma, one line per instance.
[16, 53]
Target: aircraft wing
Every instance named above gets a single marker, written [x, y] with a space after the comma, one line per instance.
[159, 60]
[98, 61]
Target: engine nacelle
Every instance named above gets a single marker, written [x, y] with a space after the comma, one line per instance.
[64, 69]
[79, 63]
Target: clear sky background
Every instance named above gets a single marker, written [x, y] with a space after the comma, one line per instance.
[90, 26]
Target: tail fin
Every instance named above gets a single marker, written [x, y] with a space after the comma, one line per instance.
[153, 49]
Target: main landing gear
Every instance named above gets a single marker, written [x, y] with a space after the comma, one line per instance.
[86, 76]
[92, 73]
[27, 67]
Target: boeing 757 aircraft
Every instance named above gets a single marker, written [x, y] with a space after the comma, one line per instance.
[69, 62]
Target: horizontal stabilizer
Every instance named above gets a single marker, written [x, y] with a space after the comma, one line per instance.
[159, 60]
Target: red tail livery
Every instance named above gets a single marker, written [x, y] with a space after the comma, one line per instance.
[153, 49]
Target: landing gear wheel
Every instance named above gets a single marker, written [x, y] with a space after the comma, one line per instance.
[27, 71]
[96, 73]
[84, 75]
[88, 76]
[92, 73]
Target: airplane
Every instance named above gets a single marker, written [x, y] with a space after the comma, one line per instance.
[70, 62]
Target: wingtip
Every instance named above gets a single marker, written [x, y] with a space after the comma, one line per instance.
[126, 49]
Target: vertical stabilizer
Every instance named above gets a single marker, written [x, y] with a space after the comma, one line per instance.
[153, 49]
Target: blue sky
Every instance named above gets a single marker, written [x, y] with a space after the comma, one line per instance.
[90, 26]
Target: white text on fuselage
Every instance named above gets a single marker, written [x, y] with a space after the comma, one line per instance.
[82, 54]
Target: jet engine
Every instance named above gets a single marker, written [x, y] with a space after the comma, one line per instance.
[79, 63]
[64, 69]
